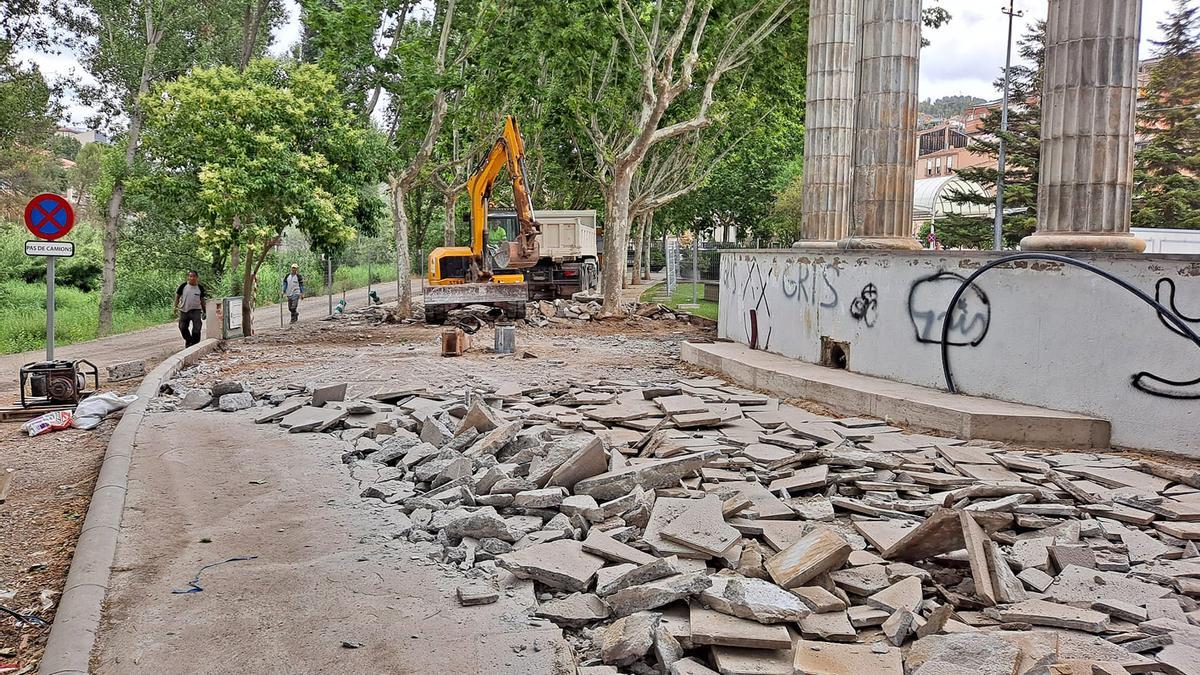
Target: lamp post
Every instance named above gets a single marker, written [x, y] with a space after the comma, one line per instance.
[998, 227]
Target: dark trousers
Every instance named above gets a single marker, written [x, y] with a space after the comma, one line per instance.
[189, 326]
[294, 307]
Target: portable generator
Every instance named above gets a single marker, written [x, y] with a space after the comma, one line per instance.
[54, 383]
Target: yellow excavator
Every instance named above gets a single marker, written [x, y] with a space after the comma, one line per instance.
[488, 271]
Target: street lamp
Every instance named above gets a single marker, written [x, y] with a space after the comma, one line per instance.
[998, 227]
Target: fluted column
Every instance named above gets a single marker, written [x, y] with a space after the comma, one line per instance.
[829, 120]
[1089, 106]
[885, 125]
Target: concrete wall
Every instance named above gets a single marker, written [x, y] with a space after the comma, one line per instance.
[1039, 333]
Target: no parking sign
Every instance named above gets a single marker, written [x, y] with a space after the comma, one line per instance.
[49, 217]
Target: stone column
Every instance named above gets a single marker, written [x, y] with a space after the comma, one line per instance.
[829, 120]
[1089, 105]
[885, 125]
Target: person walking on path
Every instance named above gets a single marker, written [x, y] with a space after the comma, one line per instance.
[190, 300]
[293, 290]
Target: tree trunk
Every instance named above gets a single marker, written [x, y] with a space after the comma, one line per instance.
[646, 246]
[448, 231]
[112, 220]
[635, 279]
[616, 240]
[248, 295]
[403, 261]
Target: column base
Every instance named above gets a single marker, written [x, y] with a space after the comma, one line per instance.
[1083, 241]
[880, 243]
[815, 243]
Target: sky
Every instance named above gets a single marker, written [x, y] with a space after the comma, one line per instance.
[967, 55]
[964, 57]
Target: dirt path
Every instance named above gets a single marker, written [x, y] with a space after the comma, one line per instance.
[208, 486]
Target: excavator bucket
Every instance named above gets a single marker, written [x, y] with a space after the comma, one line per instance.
[518, 256]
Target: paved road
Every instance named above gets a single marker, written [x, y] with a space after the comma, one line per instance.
[207, 486]
[155, 344]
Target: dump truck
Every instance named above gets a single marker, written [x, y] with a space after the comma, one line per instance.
[567, 245]
[490, 270]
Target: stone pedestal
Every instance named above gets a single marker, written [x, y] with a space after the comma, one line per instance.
[829, 120]
[1089, 107]
[885, 126]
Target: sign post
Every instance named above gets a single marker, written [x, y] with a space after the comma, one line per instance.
[49, 217]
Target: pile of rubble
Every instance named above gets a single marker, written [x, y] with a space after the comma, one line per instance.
[695, 527]
[544, 312]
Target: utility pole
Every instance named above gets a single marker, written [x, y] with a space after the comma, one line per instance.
[998, 228]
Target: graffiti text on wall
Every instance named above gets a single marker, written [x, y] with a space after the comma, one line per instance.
[1156, 385]
[865, 307]
[927, 300]
[809, 284]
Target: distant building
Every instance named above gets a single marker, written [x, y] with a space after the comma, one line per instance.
[84, 137]
[946, 149]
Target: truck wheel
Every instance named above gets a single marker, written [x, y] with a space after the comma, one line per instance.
[516, 310]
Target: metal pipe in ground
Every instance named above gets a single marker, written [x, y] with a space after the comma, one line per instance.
[506, 338]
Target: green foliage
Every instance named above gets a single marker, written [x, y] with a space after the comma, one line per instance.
[949, 106]
[1022, 157]
[269, 147]
[1167, 168]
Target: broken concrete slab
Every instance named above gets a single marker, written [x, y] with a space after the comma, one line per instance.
[1043, 613]
[627, 575]
[627, 639]
[828, 626]
[599, 543]
[309, 418]
[828, 658]
[744, 661]
[814, 554]
[691, 666]
[904, 594]
[977, 544]
[976, 652]
[559, 564]
[818, 599]
[1081, 585]
[588, 460]
[753, 599]
[715, 628]
[657, 593]
[665, 511]
[574, 611]
[651, 475]
[328, 394]
[477, 593]
[702, 527]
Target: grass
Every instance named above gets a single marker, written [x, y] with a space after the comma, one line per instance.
[682, 296]
[23, 316]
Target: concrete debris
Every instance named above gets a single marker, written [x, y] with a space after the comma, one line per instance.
[693, 527]
[235, 402]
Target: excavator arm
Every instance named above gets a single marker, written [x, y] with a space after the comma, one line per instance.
[508, 151]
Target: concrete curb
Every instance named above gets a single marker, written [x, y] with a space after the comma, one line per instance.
[73, 634]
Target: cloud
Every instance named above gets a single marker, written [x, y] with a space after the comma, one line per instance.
[967, 55]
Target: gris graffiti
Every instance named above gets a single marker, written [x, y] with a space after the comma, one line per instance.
[809, 284]
[927, 300]
[865, 307]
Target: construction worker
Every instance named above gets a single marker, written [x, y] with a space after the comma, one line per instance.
[293, 290]
[190, 301]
